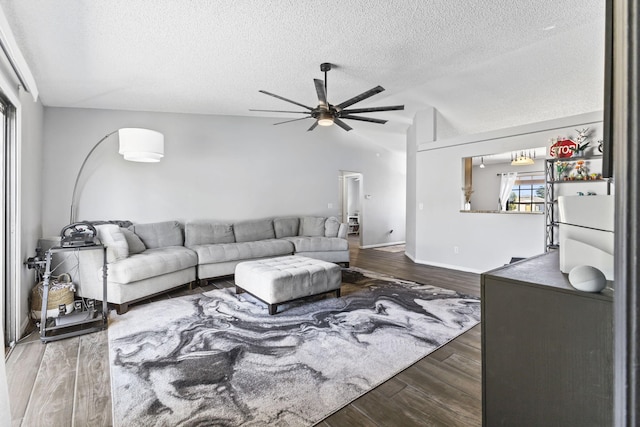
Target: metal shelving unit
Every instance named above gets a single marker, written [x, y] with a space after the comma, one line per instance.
[551, 199]
[71, 325]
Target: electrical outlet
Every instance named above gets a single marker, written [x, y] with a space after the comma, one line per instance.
[456, 250]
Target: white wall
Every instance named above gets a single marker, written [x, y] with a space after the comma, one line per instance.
[224, 168]
[30, 195]
[483, 240]
[412, 149]
[423, 130]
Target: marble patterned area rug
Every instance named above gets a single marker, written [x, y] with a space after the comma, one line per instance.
[218, 358]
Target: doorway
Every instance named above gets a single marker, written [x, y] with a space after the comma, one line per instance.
[351, 189]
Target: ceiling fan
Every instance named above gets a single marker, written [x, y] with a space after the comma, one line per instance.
[326, 114]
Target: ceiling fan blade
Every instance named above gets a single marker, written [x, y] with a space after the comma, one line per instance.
[373, 109]
[342, 124]
[293, 120]
[280, 111]
[285, 99]
[364, 119]
[361, 97]
[322, 93]
[313, 126]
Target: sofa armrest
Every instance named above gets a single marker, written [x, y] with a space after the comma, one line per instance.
[90, 274]
[342, 231]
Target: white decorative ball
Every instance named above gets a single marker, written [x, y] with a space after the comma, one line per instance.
[587, 278]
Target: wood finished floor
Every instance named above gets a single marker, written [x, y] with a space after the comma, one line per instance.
[68, 384]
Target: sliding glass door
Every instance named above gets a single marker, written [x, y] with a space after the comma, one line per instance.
[7, 273]
[6, 291]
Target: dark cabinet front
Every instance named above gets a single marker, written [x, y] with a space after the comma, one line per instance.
[547, 349]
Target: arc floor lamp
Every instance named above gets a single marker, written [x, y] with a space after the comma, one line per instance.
[136, 145]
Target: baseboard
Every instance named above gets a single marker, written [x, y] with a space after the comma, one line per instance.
[381, 245]
[448, 266]
[437, 264]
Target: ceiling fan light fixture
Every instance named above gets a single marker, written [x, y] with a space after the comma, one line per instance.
[325, 119]
[326, 114]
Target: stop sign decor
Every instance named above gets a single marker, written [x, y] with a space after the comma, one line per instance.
[563, 148]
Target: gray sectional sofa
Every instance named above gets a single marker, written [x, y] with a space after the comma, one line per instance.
[222, 246]
[142, 260]
[148, 259]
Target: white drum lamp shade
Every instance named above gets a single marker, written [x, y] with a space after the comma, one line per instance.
[141, 145]
[136, 145]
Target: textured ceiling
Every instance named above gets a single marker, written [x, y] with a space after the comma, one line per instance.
[484, 64]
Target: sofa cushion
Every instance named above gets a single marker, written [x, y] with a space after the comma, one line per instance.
[312, 226]
[210, 254]
[112, 237]
[318, 244]
[204, 232]
[152, 263]
[135, 244]
[159, 234]
[251, 231]
[286, 227]
[331, 227]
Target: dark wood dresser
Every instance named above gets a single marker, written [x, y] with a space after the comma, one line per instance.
[547, 348]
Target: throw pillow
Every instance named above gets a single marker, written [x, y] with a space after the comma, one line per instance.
[159, 234]
[135, 244]
[111, 236]
[312, 226]
[286, 227]
[331, 227]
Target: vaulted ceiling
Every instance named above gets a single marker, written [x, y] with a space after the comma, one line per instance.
[483, 64]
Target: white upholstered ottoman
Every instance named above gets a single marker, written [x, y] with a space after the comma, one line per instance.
[278, 280]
